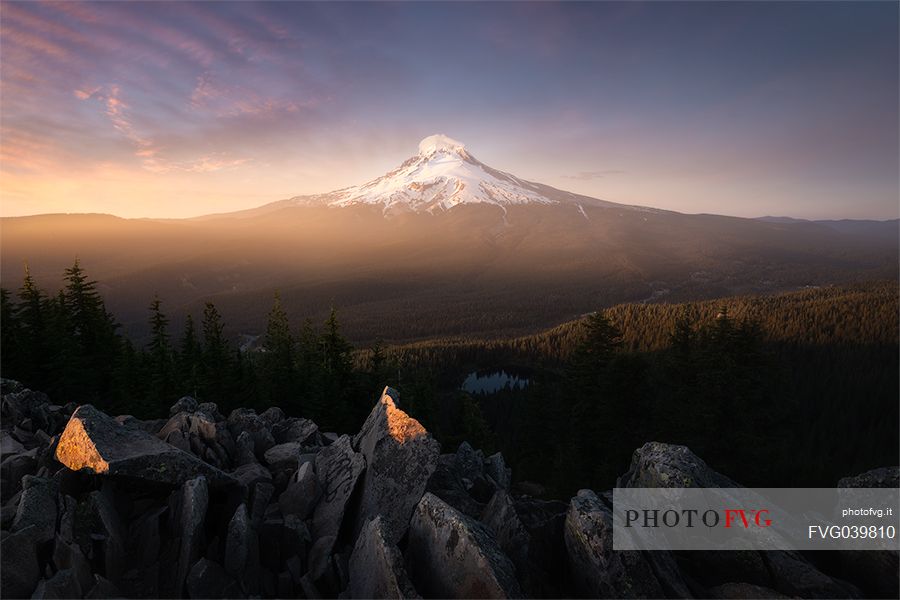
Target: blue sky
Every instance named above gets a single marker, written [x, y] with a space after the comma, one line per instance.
[179, 109]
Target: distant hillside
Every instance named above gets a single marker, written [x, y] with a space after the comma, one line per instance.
[857, 314]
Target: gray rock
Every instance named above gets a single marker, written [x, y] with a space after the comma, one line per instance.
[669, 466]
[95, 442]
[329, 437]
[302, 493]
[296, 539]
[302, 431]
[15, 467]
[738, 591]
[283, 457]
[19, 564]
[191, 520]
[106, 523]
[338, 468]
[245, 420]
[207, 579]
[259, 500]
[184, 404]
[495, 468]
[203, 426]
[248, 475]
[884, 477]
[63, 585]
[37, 507]
[103, 588]
[446, 484]
[309, 588]
[449, 555]
[500, 517]
[180, 440]
[210, 409]
[9, 444]
[376, 566]
[272, 415]
[794, 576]
[597, 570]
[400, 458]
[67, 555]
[320, 557]
[469, 464]
[243, 450]
[237, 544]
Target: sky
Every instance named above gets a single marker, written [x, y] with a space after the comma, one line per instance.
[181, 109]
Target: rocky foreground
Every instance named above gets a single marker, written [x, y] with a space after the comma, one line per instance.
[263, 505]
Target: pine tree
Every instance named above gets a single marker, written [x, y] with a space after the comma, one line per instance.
[32, 320]
[93, 334]
[189, 360]
[217, 367]
[10, 350]
[279, 360]
[159, 357]
[336, 371]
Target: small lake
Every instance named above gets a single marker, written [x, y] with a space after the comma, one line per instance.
[488, 382]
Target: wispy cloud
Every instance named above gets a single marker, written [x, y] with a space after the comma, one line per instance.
[588, 175]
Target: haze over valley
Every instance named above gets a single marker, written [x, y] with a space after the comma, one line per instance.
[442, 245]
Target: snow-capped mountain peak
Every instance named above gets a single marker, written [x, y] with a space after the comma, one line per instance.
[442, 175]
[440, 143]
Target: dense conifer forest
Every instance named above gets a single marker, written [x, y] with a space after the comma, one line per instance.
[794, 389]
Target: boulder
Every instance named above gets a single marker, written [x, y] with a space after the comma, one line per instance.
[259, 501]
[495, 468]
[19, 564]
[736, 591]
[272, 415]
[876, 572]
[63, 585]
[248, 475]
[597, 571]
[38, 508]
[103, 588]
[884, 477]
[669, 466]
[245, 420]
[283, 457]
[302, 431]
[302, 493]
[446, 484]
[104, 521]
[376, 566]
[338, 468]
[207, 579]
[94, 441]
[400, 458]
[530, 532]
[243, 450]
[67, 555]
[185, 404]
[210, 409]
[9, 444]
[193, 505]
[320, 557]
[793, 575]
[237, 544]
[449, 555]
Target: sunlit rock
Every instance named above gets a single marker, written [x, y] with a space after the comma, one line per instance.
[97, 443]
[400, 457]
